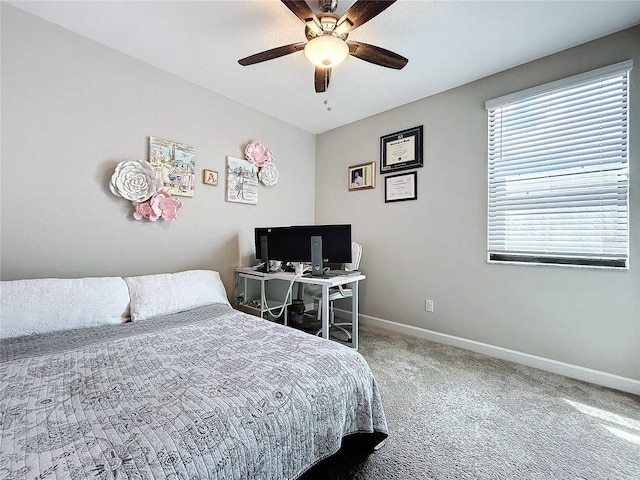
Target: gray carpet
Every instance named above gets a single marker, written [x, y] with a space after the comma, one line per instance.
[455, 414]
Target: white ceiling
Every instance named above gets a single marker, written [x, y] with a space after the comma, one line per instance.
[448, 43]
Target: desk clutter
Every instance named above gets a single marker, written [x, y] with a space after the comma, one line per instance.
[251, 303]
[289, 267]
[308, 306]
[297, 314]
[301, 269]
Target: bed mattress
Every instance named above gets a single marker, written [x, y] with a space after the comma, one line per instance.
[211, 393]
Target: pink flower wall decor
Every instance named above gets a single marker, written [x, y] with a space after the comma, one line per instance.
[258, 154]
[160, 205]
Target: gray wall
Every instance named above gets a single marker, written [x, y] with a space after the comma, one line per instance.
[435, 247]
[72, 109]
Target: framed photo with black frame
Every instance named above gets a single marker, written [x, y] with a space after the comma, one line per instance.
[401, 187]
[401, 150]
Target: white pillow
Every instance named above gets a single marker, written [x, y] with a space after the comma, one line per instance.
[155, 295]
[52, 304]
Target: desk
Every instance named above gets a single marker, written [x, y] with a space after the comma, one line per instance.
[325, 282]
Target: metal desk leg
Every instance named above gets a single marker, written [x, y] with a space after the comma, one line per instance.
[354, 315]
[325, 311]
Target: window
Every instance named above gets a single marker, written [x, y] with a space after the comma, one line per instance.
[558, 172]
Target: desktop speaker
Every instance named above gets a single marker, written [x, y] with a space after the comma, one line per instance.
[264, 253]
[316, 255]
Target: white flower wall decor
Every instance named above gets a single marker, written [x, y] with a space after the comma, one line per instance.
[268, 174]
[135, 181]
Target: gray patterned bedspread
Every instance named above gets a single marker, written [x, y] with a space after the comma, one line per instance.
[212, 393]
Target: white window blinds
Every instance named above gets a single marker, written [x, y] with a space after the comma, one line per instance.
[558, 172]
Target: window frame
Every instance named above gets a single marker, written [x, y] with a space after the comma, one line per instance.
[498, 251]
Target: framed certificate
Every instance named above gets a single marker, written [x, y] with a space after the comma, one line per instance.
[400, 187]
[401, 150]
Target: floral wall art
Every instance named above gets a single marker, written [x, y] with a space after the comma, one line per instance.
[138, 182]
[175, 163]
[261, 157]
[243, 176]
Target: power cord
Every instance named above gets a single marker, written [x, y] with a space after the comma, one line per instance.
[286, 298]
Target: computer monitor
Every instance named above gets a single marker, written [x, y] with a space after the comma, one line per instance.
[336, 242]
[293, 244]
[277, 239]
[269, 244]
[258, 234]
[262, 247]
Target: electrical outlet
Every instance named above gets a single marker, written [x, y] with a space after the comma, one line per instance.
[428, 305]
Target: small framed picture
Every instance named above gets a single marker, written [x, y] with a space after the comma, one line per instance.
[210, 177]
[401, 150]
[362, 177]
[400, 187]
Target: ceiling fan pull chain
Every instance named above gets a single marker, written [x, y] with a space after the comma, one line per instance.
[327, 100]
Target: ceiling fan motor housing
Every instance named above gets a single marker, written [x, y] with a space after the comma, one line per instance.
[328, 24]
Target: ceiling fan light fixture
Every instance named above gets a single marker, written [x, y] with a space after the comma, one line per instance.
[326, 51]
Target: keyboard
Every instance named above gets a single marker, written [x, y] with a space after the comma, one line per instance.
[334, 273]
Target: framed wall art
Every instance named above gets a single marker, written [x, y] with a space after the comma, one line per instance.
[362, 176]
[210, 177]
[175, 164]
[242, 181]
[401, 150]
[401, 187]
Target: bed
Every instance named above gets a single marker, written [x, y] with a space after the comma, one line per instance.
[203, 393]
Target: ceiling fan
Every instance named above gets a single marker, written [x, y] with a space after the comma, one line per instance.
[327, 43]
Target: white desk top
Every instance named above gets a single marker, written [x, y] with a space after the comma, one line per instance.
[330, 281]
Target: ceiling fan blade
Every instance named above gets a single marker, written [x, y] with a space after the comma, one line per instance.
[377, 55]
[302, 10]
[271, 54]
[322, 77]
[360, 12]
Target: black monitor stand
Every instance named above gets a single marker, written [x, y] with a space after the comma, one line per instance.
[264, 253]
[317, 265]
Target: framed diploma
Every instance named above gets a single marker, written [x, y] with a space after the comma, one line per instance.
[400, 187]
[401, 150]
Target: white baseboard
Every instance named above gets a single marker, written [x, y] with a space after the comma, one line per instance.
[573, 371]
